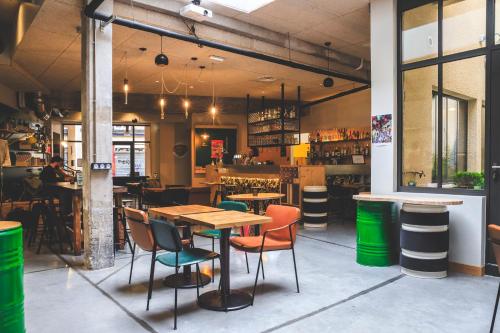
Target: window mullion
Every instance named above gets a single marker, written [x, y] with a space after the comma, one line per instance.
[440, 98]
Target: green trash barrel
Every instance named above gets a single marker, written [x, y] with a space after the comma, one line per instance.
[374, 233]
[11, 278]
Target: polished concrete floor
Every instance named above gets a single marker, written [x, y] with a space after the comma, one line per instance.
[337, 295]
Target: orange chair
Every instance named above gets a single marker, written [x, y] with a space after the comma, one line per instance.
[494, 231]
[277, 235]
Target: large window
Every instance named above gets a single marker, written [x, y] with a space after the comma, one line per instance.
[442, 95]
[131, 148]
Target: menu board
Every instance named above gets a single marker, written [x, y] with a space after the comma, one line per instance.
[288, 174]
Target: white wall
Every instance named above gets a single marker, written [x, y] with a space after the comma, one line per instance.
[467, 222]
[348, 111]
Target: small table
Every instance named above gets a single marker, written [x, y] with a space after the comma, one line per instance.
[218, 191]
[186, 279]
[256, 199]
[76, 194]
[225, 299]
[424, 233]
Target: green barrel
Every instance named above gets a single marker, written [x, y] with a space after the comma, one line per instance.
[11, 278]
[374, 233]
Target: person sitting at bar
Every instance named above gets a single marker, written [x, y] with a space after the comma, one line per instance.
[53, 172]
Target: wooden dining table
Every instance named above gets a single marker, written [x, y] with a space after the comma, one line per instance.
[76, 198]
[256, 199]
[185, 279]
[225, 298]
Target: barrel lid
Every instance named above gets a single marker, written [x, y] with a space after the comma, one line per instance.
[7, 225]
[315, 188]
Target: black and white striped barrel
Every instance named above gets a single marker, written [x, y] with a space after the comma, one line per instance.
[315, 206]
[424, 241]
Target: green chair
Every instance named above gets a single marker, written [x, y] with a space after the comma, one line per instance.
[166, 237]
[216, 234]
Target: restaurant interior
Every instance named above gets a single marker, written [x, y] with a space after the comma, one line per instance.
[227, 156]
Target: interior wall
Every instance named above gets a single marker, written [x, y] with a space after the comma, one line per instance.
[467, 221]
[8, 96]
[349, 111]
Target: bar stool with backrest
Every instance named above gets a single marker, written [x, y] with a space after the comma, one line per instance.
[494, 231]
[216, 234]
[166, 237]
[141, 233]
[279, 235]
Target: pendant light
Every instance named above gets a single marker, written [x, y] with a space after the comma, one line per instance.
[161, 59]
[213, 108]
[163, 100]
[125, 80]
[186, 104]
[328, 82]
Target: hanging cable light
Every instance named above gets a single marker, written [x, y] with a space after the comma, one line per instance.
[161, 59]
[328, 82]
[213, 108]
[125, 80]
[163, 101]
[186, 102]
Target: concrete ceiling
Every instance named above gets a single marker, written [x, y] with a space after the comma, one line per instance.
[50, 51]
[345, 23]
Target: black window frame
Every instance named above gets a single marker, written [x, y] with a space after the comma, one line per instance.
[131, 143]
[440, 60]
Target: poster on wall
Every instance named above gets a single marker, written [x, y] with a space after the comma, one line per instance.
[217, 148]
[382, 129]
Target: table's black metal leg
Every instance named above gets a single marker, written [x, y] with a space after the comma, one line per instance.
[225, 299]
[256, 211]
[186, 279]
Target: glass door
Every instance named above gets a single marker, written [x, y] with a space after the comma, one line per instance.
[122, 159]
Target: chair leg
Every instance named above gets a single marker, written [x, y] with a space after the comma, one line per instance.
[41, 238]
[131, 265]
[175, 301]
[495, 311]
[257, 276]
[295, 268]
[213, 261]
[246, 259]
[151, 278]
[197, 281]
[262, 264]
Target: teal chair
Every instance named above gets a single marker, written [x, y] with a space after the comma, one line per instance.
[166, 237]
[216, 234]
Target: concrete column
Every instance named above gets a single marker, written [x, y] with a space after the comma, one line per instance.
[97, 113]
[384, 90]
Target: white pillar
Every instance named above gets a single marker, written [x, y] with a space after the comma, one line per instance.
[383, 26]
[97, 112]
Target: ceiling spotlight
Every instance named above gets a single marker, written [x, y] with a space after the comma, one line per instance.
[217, 58]
[213, 110]
[161, 59]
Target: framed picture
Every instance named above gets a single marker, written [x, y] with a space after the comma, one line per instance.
[358, 159]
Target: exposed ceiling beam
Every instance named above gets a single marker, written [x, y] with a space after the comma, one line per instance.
[91, 12]
[342, 94]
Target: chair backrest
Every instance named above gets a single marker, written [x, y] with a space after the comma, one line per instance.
[233, 205]
[139, 228]
[494, 231]
[166, 235]
[281, 215]
[175, 195]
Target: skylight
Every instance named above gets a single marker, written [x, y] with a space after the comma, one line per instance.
[246, 6]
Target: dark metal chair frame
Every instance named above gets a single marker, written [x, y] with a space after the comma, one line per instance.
[292, 247]
[177, 248]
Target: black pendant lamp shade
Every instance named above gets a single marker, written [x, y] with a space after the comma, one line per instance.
[161, 59]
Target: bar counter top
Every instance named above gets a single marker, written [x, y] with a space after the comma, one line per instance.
[420, 200]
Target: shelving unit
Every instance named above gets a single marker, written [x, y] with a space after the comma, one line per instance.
[274, 125]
